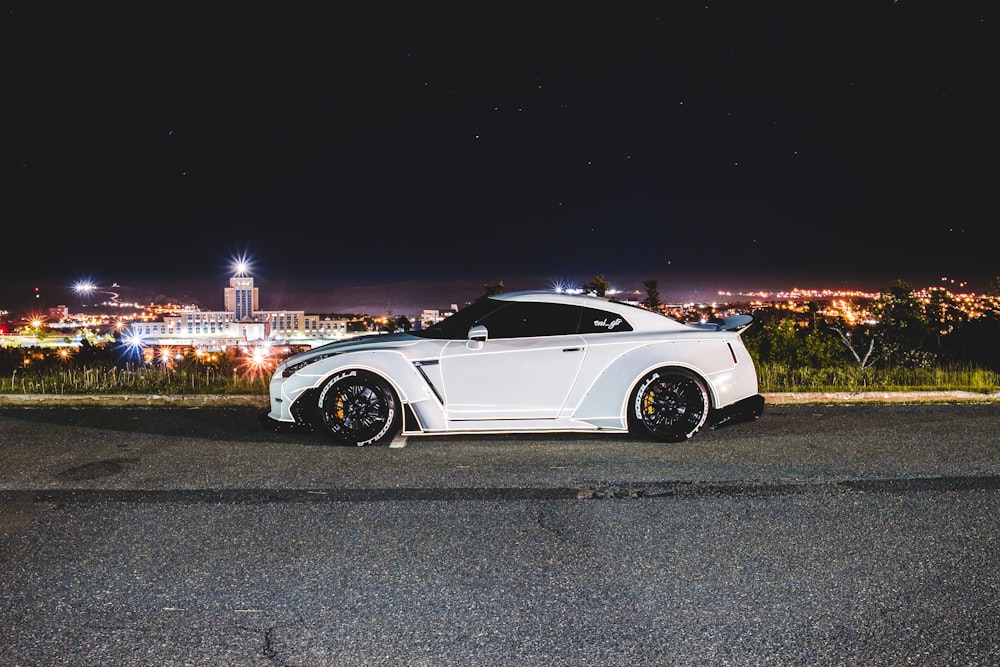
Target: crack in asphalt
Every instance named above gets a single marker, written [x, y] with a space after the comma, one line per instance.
[597, 491]
[94, 470]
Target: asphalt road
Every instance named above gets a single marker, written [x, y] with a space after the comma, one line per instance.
[818, 535]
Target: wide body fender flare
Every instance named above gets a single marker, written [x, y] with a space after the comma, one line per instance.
[727, 376]
[392, 366]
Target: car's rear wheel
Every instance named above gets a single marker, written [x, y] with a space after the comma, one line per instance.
[359, 408]
[669, 405]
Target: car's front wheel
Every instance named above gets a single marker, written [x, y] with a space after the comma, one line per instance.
[668, 405]
[359, 408]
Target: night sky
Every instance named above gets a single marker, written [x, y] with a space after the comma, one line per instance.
[366, 156]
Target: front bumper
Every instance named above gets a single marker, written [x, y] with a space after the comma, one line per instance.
[269, 422]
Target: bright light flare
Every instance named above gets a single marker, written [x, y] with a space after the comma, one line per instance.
[86, 288]
[242, 265]
[34, 319]
[258, 362]
[165, 356]
[134, 344]
[560, 287]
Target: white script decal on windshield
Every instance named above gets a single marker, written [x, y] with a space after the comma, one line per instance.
[608, 325]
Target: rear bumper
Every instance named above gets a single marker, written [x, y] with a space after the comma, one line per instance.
[745, 410]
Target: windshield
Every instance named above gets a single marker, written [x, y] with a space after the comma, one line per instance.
[457, 326]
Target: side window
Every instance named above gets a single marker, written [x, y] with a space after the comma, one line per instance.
[526, 319]
[600, 321]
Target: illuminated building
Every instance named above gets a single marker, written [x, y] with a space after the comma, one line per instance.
[241, 324]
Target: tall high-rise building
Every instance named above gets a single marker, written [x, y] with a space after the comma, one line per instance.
[241, 297]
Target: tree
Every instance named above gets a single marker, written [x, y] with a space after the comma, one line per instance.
[776, 342]
[860, 342]
[975, 342]
[813, 309]
[492, 290]
[387, 323]
[942, 315]
[820, 348]
[652, 300]
[903, 329]
[598, 286]
[780, 341]
[994, 287]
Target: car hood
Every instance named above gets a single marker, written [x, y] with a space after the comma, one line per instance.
[367, 342]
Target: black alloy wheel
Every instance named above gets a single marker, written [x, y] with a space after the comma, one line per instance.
[668, 405]
[359, 408]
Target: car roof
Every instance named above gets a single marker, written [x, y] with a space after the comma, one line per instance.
[550, 296]
[633, 314]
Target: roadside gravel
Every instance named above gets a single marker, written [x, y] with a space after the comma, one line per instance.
[130, 400]
[252, 400]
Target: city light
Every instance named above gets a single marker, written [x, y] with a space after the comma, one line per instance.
[258, 362]
[134, 344]
[560, 287]
[166, 356]
[87, 287]
[189, 327]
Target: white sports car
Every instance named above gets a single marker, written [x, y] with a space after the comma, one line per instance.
[531, 362]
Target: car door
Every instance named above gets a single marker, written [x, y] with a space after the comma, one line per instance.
[523, 370]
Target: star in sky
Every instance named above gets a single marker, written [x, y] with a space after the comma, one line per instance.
[349, 146]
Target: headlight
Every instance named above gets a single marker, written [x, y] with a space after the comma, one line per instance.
[292, 369]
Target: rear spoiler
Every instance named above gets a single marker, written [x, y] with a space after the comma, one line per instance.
[737, 323]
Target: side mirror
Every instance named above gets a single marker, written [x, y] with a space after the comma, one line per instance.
[478, 334]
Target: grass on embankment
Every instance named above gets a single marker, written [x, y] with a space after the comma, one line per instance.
[774, 378]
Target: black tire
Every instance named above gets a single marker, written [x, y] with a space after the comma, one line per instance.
[669, 405]
[359, 408]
